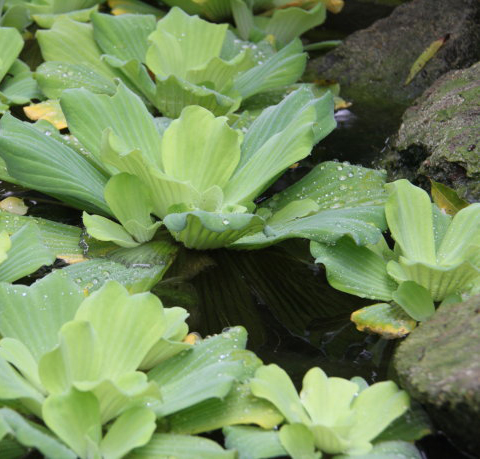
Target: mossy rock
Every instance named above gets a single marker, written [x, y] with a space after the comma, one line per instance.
[440, 136]
[372, 65]
[439, 365]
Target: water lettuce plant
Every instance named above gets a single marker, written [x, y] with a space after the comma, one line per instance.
[435, 257]
[197, 174]
[181, 60]
[330, 415]
[17, 86]
[64, 362]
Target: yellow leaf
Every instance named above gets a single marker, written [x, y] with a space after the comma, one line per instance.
[334, 6]
[447, 199]
[14, 205]
[424, 58]
[49, 110]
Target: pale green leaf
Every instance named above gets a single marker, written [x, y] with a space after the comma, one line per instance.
[253, 442]
[75, 418]
[288, 23]
[208, 230]
[439, 281]
[182, 42]
[281, 69]
[5, 245]
[355, 269]
[103, 229]
[89, 115]
[166, 446]
[375, 408]
[326, 400]
[462, 237]
[240, 406]
[33, 435]
[273, 384]
[173, 94]
[409, 216]
[124, 347]
[73, 43]
[298, 442]
[132, 429]
[81, 15]
[387, 450]
[415, 300]
[132, 205]
[11, 43]
[35, 314]
[124, 36]
[203, 159]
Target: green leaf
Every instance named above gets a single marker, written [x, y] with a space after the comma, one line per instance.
[138, 269]
[81, 15]
[55, 77]
[14, 387]
[288, 23]
[205, 158]
[355, 269]
[26, 254]
[19, 87]
[275, 154]
[362, 224]
[33, 435]
[103, 229]
[121, 7]
[173, 94]
[281, 69]
[124, 36]
[207, 230]
[253, 442]
[132, 429]
[389, 321]
[439, 281]
[72, 42]
[11, 43]
[62, 240]
[273, 384]
[446, 198]
[409, 216]
[5, 245]
[462, 237]
[298, 442]
[326, 400]
[334, 185]
[165, 446]
[387, 450]
[132, 205]
[207, 370]
[183, 42]
[415, 300]
[35, 314]
[89, 115]
[75, 418]
[44, 164]
[240, 406]
[375, 408]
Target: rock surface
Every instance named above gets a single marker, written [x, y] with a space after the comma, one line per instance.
[439, 365]
[440, 136]
[372, 64]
